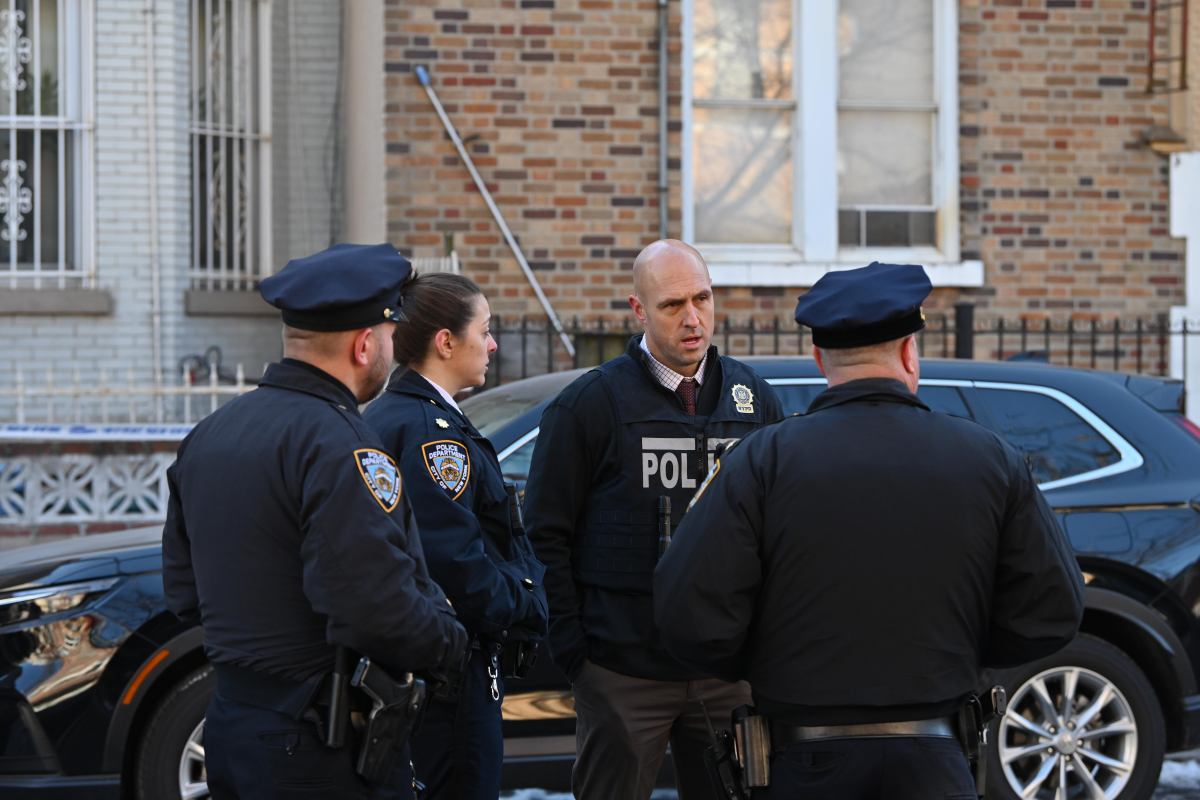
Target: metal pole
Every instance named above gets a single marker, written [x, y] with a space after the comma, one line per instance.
[662, 119]
[423, 77]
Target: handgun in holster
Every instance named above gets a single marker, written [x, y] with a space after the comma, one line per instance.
[395, 710]
[974, 716]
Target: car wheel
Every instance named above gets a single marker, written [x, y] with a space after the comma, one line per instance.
[1084, 722]
[170, 759]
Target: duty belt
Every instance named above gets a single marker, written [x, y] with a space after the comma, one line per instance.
[790, 734]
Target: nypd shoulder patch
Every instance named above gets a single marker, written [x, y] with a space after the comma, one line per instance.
[382, 477]
[449, 465]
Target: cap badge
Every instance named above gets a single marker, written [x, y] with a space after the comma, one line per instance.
[441, 423]
[743, 399]
[387, 313]
[922, 310]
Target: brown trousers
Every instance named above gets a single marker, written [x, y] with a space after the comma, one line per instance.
[623, 725]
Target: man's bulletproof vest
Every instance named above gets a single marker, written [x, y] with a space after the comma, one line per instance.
[662, 451]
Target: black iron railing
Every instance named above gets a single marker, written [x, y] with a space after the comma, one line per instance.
[528, 346]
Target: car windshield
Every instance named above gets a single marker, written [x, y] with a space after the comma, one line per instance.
[491, 410]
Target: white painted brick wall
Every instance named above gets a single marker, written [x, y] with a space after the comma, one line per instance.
[305, 75]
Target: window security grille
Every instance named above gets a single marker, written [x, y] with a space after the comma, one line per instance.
[231, 168]
[45, 144]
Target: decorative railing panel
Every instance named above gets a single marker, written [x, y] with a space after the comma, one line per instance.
[72, 488]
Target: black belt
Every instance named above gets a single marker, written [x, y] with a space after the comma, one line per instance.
[264, 690]
[790, 734]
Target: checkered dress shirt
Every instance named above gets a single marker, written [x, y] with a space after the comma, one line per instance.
[669, 377]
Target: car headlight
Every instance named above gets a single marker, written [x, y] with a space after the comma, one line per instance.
[22, 605]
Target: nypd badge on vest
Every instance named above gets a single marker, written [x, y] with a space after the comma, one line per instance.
[743, 398]
[381, 476]
[449, 465]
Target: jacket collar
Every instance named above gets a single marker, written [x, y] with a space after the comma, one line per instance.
[887, 390]
[634, 351]
[410, 382]
[300, 376]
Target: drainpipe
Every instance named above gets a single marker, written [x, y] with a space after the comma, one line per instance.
[152, 189]
[663, 112]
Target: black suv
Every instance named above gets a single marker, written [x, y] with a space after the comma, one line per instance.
[103, 691]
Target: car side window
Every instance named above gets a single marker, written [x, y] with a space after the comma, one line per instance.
[1056, 442]
[795, 398]
[946, 399]
[515, 466]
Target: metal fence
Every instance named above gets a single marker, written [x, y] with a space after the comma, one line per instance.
[53, 395]
[529, 346]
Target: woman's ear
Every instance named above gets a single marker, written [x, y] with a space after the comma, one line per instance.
[443, 342]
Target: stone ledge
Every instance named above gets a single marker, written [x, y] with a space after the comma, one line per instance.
[235, 303]
[82, 302]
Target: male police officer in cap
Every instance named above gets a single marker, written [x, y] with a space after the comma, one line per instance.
[288, 534]
[859, 564]
[615, 447]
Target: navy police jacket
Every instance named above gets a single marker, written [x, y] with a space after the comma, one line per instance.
[476, 548]
[611, 445]
[869, 580]
[288, 532]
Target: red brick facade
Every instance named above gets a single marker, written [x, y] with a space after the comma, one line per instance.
[1059, 199]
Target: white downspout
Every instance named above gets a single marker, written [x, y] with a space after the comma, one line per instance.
[152, 189]
[1185, 223]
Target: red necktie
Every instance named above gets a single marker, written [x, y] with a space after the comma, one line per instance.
[687, 393]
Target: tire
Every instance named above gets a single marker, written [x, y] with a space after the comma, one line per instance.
[1112, 702]
[170, 757]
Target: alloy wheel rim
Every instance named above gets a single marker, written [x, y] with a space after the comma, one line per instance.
[193, 779]
[1069, 733]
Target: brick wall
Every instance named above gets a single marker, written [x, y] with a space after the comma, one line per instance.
[559, 100]
[1066, 207]
[1062, 203]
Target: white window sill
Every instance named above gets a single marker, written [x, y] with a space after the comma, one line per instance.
[782, 266]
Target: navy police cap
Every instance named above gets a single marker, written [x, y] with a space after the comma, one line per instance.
[864, 306]
[346, 287]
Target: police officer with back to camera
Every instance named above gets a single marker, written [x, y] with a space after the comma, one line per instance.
[470, 526]
[619, 455]
[290, 537]
[860, 564]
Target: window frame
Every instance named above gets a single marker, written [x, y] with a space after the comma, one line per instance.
[75, 122]
[814, 249]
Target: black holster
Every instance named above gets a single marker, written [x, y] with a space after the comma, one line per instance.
[974, 716]
[518, 657]
[395, 710]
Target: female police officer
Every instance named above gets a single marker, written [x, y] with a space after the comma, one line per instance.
[468, 521]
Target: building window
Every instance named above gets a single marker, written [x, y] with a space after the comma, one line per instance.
[231, 166]
[821, 134]
[887, 124]
[45, 144]
[743, 114]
